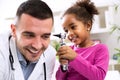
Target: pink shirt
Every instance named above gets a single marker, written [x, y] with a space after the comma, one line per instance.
[90, 64]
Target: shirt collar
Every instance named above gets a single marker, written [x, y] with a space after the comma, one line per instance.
[22, 59]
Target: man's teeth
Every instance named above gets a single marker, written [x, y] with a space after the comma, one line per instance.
[33, 51]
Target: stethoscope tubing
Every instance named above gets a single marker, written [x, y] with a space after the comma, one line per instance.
[11, 59]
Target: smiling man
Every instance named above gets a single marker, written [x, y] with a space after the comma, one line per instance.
[25, 54]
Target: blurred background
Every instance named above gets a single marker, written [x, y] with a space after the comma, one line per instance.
[106, 27]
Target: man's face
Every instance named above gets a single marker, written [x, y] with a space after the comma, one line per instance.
[32, 36]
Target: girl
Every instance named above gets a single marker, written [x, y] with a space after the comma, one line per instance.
[87, 60]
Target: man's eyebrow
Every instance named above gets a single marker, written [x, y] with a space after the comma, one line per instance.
[27, 32]
[31, 33]
[47, 34]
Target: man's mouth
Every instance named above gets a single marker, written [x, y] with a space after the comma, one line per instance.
[33, 51]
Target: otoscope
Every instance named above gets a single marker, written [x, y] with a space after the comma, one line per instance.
[64, 67]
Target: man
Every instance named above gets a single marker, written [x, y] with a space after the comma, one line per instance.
[25, 54]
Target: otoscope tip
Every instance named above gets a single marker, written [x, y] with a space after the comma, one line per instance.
[57, 35]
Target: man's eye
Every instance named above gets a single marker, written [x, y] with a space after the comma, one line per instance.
[28, 35]
[46, 36]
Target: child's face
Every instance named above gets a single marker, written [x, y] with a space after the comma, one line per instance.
[77, 31]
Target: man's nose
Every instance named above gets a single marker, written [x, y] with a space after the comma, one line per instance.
[37, 43]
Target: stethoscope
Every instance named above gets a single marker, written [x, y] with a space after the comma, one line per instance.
[11, 59]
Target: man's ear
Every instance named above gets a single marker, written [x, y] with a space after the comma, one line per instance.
[13, 29]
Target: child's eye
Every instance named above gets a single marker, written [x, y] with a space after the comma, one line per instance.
[66, 31]
[72, 27]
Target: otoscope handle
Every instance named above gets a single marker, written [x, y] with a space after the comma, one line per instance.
[64, 67]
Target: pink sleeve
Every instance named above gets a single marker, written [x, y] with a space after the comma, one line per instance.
[96, 71]
[60, 75]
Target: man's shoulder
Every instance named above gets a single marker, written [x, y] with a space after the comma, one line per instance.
[50, 49]
[4, 44]
[50, 52]
[50, 57]
[4, 49]
[4, 36]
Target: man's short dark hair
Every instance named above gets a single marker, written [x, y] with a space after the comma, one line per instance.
[35, 8]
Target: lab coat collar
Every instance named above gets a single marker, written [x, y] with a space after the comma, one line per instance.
[38, 71]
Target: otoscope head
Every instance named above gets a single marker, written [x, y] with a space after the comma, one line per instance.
[57, 35]
[60, 35]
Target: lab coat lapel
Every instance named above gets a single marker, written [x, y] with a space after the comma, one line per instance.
[38, 72]
[18, 74]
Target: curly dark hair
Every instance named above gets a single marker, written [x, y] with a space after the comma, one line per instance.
[84, 10]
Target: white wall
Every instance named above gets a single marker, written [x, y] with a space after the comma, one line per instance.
[8, 8]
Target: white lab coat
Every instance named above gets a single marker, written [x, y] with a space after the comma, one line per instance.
[6, 73]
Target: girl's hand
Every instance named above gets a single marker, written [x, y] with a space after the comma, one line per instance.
[66, 52]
